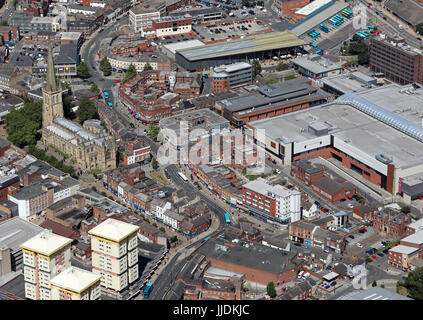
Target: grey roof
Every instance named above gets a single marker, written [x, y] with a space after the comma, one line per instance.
[331, 186]
[251, 255]
[15, 231]
[29, 192]
[408, 10]
[16, 286]
[316, 64]
[377, 293]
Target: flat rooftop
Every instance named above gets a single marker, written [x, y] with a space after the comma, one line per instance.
[15, 231]
[316, 63]
[263, 42]
[46, 243]
[308, 23]
[416, 238]
[349, 125]
[113, 229]
[311, 7]
[172, 47]
[348, 82]
[404, 249]
[75, 279]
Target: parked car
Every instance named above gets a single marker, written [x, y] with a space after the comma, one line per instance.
[380, 254]
[333, 284]
[343, 199]
[386, 251]
[374, 257]
[351, 236]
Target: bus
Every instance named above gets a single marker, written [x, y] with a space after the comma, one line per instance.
[110, 104]
[147, 290]
[314, 46]
[320, 52]
[371, 28]
[205, 239]
[182, 176]
[106, 94]
[227, 218]
[324, 28]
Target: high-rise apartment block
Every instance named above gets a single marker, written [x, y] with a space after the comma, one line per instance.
[76, 284]
[114, 246]
[44, 256]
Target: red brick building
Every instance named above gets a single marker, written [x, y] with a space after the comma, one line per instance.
[306, 171]
[390, 223]
[288, 7]
[136, 151]
[333, 190]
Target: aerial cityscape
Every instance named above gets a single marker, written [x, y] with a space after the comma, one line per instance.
[211, 150]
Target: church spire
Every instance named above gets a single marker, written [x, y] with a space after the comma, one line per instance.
[51, 84]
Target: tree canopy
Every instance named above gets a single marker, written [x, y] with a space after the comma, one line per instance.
[357, 46]
[86, 110]
[282, 66]
[153, 130]
[414, 284]
[106, 67]
[130, 72]
[271, 291]
[22, 125]
[256, 68]
[82, 70]
[95, 89]
[147, 67]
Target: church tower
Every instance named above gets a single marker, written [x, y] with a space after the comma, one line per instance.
[52, 94]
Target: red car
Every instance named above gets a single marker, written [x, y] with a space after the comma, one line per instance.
[323, 209]
[420, 198]
[374, 257]
[365, 230]
[116, 81]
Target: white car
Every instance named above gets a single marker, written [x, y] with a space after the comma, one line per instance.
[278, 171]
[359, 245]
[350, 205]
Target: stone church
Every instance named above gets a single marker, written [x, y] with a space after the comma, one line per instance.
[90, 145]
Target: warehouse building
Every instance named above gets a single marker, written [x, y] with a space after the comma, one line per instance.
[371, 133]
[262, 46]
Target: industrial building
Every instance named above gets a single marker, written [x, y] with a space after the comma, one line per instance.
[347, 83]
[270, 101]
[372, 133]
[254, 47]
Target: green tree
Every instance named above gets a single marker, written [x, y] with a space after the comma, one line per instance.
[414, 284]
[419, 28]
[282, 66]
[245, 3]
[162, 229]
[153, 130]
[95, 89]
[130, 72]
[374, 284]
[106, 67]
[154, 164]
[406, 209]
[22, 125]
[86, 110]
[147, 67]
[154, 224]
[271, 81]
[271, 291]
[256, 68]
[82, 70]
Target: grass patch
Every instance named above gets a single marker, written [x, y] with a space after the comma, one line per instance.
[157, 175]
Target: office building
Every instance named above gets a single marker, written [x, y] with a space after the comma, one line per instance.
[44, 257]
[231, 76]
[114, 247]
[141, 18]
[398, 61]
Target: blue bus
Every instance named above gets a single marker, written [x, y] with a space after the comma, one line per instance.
[314, 46]
[205, 239]
[147, 290]
[319, 52]
[227, 218]
[371, 28]
[324, 28]
[106, 94]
